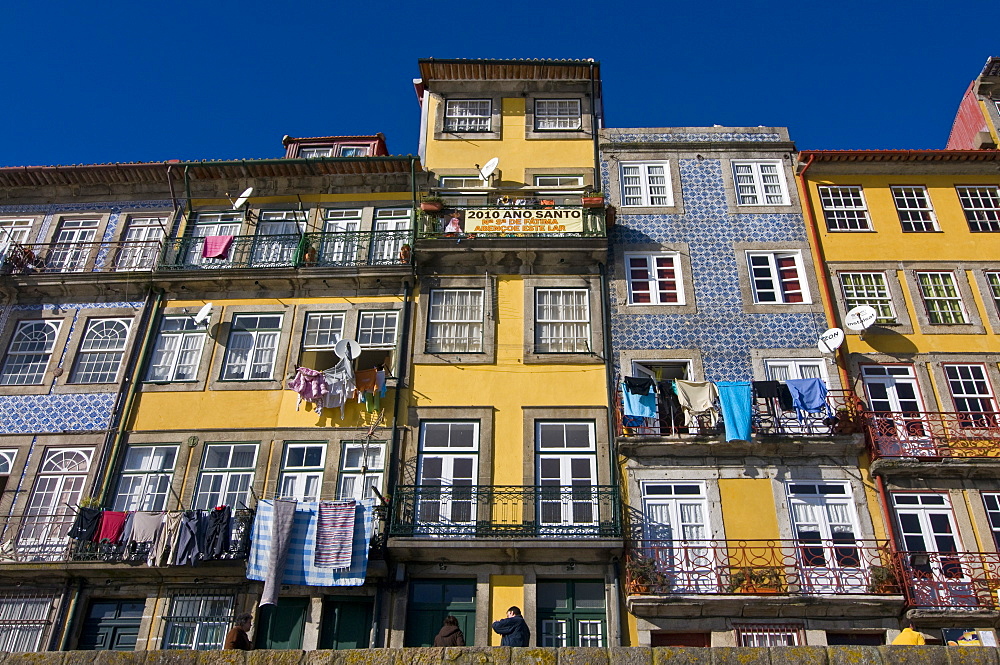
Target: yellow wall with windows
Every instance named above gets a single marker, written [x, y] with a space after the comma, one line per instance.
[515, 151]
[505, 591]
[748, 509]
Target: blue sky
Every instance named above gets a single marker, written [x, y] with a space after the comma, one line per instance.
[145, 81]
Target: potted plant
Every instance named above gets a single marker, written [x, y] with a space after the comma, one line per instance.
[643, 574]
[882, 579]
[593, 200]
[763, 579]
[432, 204]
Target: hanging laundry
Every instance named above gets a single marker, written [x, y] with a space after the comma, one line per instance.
[162, 551]
[641, 404]
[310, 385]
[342, 385]
[216, 247]
[668, 408]
[697, 398]
[334, 534]
[281, 537]
[365, 381]
[772, 390]
[218, 533]
[111, 526]
[126, 534]
[809, 395]
[85, 525]
[380, 382]
[300, 567]
[186, 552]
[736, 399]
[145, 527]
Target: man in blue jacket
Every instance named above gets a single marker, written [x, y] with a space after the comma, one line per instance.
[514, 629]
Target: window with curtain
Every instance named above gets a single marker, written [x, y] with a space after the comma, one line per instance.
[561, 114]
[868, 288]
[455, 321]
[24, 621]
[177, 352]
[467, 115]
[941, 297]
[252, 347]
[777, 278]
[145, 478]
[562, 321]
[654, 279]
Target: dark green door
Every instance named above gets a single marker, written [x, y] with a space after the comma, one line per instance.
[111, 625]
[281, 625]
[431, 601]
[346, 623]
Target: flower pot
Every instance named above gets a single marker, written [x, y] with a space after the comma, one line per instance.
[431, 206]
[593, 201]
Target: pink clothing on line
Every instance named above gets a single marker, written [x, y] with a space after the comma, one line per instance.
[216, 247]
[310, 385]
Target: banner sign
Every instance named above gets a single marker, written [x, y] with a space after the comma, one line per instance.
[523, 220]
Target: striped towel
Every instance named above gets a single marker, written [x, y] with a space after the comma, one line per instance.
[334, 534]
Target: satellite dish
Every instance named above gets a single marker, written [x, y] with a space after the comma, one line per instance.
[347, 348]
[203, 314]
[831, 340]
[490, 167]
[861, 317]
[241, 201]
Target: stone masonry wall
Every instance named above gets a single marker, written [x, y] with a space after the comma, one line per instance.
[818, 655]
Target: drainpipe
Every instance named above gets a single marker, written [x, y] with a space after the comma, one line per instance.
[596, 121]
[67, 621]
[187, 193]
[819, 259]
[126, 397]
[404, 362]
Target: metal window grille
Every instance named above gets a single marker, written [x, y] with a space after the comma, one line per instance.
[24, 621]
[844, 208]
[198, 619]
[914, 208]
[769, 635]
[981, 206]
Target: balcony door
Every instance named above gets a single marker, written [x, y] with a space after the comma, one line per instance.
[825, 526]
[74, 245]
[212, 224]
[141, 244]
[931, 547]
[447, 478]
[57, 491]
[899, 427]
[391, 232]
[278, 235]
[675, 535]
[567, 477]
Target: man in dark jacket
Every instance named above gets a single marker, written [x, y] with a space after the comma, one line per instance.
[514, 629]
[450, 634]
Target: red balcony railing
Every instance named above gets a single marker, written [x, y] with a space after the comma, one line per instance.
[769, 418]
[933, 435]
[791, 567]
[969, 580]
[67, 257]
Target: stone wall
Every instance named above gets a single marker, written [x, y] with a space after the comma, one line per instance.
[885, 655]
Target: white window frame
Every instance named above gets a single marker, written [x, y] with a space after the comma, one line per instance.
[462, 182]
[868, 288]
[14, 229]
[448, 506]
[358, 479]
[322, 330]
[559, 182]
[232, 481]
[657, 278]
[760, 182]
[7, 456]
[96, 356]
[776, 280]
[302, 482]
[74, 245]
[558, 115]
[981, 205]
[31, 361]
[24, 621]
[572, 505]
[782, 369]
[768, 635]
[356, 150]
[143, 484]
[993, 282]
[389, 236]
[991, 503]
[844, 208]
[373, 335]
[178, 350]
[646, 188]
[555, 332]
[141, 243]
[971, 381]
[208, 630]
[264, 343]
[939, 304]
[913, 205]
[315, 152]
[455, 321]
[466, 116]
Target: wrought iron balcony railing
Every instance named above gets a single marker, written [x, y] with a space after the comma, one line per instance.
[70, 257]
[515, 221]
[769, 417]
[791, 567]
[967, 580]
[506, 512]
[43, 538]
[933, 435]
[354, 248]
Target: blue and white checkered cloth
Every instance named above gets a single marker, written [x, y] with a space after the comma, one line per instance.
[300, 567]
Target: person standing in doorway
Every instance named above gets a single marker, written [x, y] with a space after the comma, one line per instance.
[450, 634]
[514, 629]
[237, 637]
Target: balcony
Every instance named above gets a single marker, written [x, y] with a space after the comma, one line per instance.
[310, 250]
[33, 539]
[506, 517]
[772, 427]
[724, 573]
[933, 436]
[951, 580]
[515, 221]
[81, 257]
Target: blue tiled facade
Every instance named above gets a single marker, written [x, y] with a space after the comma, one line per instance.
[721, 329]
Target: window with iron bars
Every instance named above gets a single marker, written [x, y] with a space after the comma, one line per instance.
[769, 634]
[198, 619]
[24, 621]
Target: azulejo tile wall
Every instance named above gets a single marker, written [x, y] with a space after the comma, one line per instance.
[721, 329]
